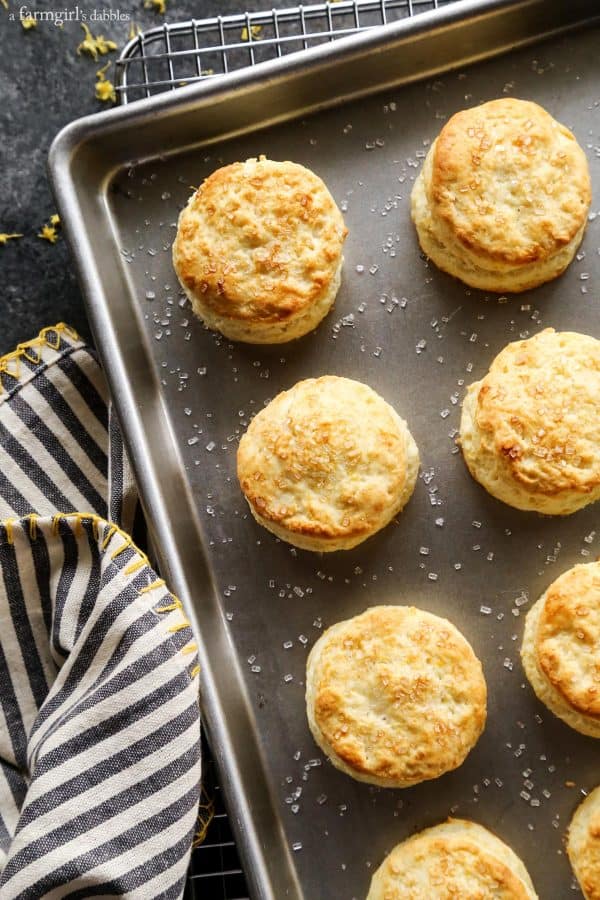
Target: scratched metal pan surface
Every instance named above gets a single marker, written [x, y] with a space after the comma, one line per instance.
[415, 335]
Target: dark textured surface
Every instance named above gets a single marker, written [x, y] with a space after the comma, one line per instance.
[43, 85]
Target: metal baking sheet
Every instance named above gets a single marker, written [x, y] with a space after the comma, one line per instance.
[414, 334]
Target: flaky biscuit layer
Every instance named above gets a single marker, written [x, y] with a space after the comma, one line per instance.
[327, 464]
[530, 429]
[503, 196]
[258, 250]
[583, 845]
[458, 860]
[561, 648]
[395, 696]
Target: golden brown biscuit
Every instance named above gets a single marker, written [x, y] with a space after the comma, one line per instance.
[258, 251]
[530, 429]
[583, 845]
[458, 860]
[503, 196]
[561, 648]
[395, 696]
[327, 464]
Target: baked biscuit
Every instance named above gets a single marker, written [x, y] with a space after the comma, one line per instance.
[561, 648]
[503, 196]
[327, 464]
[530, 429]
[583, 845]
[395, 696]
[258, 251]
[458, 860]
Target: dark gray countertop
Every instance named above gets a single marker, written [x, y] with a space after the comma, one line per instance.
[43, 85]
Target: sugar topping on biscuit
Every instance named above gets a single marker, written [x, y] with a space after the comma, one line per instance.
[327, 463]
[395, 696]
[561, 648]
[258, 250]
[458, 859]
[568, 637]
[510, 180]
[503, 196]
[530, 429]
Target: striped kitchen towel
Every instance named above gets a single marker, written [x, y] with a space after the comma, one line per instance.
[99, 717]
[60, 445]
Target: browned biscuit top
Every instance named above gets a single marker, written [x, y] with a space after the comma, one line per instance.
[458, 860]
[568, 637]
[583, 845]
[399, 694]
[510, 181]
[538, 409]
[259, 240]
[329, 458]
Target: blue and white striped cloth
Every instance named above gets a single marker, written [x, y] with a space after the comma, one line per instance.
[99, 717]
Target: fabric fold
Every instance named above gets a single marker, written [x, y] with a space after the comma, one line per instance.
[60, 442]
[100, 757]
[101, 749]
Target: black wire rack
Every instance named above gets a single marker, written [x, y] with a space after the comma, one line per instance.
[215, 871]
[179, 53]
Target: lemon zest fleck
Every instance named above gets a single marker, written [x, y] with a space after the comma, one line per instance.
[5, 238]
[48, 233]
[105, 89]
[94, 45]
[134, 30]
[158, 6]
[255, 31]
[28, 22]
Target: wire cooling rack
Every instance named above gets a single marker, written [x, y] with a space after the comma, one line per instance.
[215, 871]
[179, 53]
